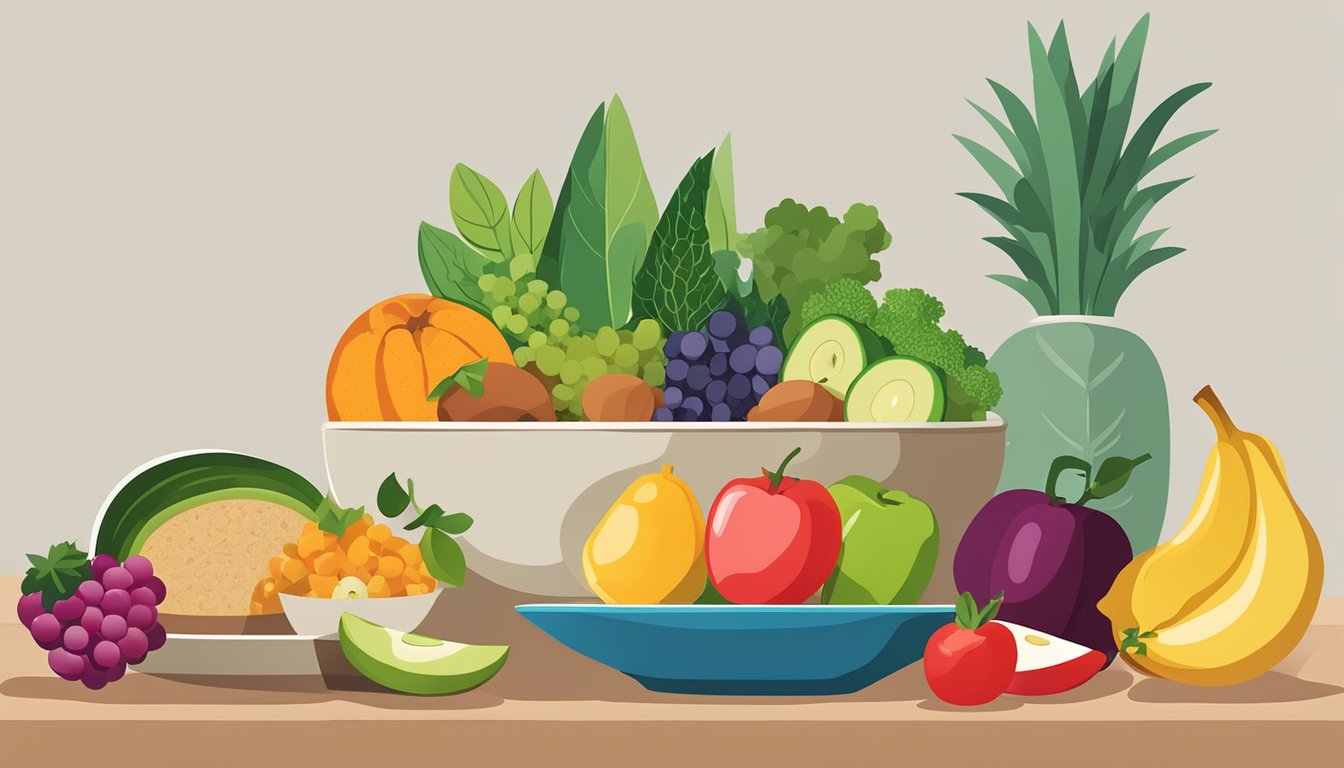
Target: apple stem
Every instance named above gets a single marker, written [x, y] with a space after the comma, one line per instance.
[778, 475]
[885, 498]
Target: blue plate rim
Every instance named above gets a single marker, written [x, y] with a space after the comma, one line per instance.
[725, 608]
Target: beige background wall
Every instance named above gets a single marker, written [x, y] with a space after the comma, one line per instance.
[195, 198]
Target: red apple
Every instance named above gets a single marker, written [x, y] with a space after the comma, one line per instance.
[1047, 664]
[772, 539]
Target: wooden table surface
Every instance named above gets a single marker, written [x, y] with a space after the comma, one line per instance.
[553, 705]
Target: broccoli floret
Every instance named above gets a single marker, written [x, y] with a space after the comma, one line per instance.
[908, 319]
[846, 297]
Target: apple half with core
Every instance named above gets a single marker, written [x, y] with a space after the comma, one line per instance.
[1047, 664]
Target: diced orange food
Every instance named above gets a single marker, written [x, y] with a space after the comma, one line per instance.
[416, 589]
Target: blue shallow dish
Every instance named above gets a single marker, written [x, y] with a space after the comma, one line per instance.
[776, 650]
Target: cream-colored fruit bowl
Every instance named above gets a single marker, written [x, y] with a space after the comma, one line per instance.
[536, 490]
[321, 616]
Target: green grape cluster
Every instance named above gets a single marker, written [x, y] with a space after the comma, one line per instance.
[542, 329]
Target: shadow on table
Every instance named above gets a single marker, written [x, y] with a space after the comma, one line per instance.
[231, 691]
[1269, 688]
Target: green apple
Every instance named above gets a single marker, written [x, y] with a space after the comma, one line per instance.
[889, 549]
[412, 663]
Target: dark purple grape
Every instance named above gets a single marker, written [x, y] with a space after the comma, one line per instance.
[68, 610]
[101, 563]
[116, 601]
[75, 639]
[143, 596]
[723, 324]
[676, 369]
[157, 637]
[92, 620]
[769, 360]
[91, 592]
[140, 568]
[743, 359]
[117, 671]
[672, 347]
[718, 365]
[720, 346]
[134, 646]
[117, 577]
[93, 678]
[760, 385]
[672, 397]
[157, 586]
[720, 412]
[716, 391]
[694, 406]
[681, 414]
[113, 628]
[761, 336]
[105, 654]
[662, 414]
[693, 345]
[70, 666]
[739, 387]
[46, 631]
[142, 616]
[698, 378]
[30, 607]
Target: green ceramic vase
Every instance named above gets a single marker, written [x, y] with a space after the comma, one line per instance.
[1082, 386]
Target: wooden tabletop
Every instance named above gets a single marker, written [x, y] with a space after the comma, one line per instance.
[551, 704]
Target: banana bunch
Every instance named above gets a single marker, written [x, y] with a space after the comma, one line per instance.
[1233, 592]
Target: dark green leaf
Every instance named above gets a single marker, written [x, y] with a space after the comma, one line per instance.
[1028, 290]
[1000, 170]
[1112, 475]
[57, 575]
[333, 518]
[1172, 148]
[392, 498]
[1024, 126]
[1061, 166]
[1130, 168]
[677, 285]
[726, 266]
[470, 377]
[965, 610]
[481, 213]
[456, 523]
[1003, 212]
[1028, 261]
[443, 558]
[427, 518]
[452, 269]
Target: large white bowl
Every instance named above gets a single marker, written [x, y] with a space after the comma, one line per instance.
[537, 490]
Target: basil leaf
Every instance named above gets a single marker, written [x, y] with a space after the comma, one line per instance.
[452, 269]
[456, 523]
[443, 558]
[532, 212]
[431, 515]
[677, 285]
[481, 213]
[392, 498]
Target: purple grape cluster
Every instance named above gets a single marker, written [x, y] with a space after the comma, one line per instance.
[112, 620]
[719, 373]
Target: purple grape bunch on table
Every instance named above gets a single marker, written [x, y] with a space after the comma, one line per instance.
[718, 373]
[111, 621]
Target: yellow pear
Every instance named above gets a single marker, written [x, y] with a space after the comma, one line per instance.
[650, 546]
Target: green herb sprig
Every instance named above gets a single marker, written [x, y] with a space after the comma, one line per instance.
[442, 554]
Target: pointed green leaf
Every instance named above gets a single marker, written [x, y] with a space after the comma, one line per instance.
[1130, 168]
[606, 222]
[1009, 139]
[1062, 173]
[532, 213]
[443, 557]
[456, 523]
[1024, 126]
[470, 377]
[392, 498]
[333, 518]
[1001, 210]
[1028, 262]
[452, 269]
[1003, 173]
[1027, 290]
[677, 285]
[721, 205]
[481, 213]
[1172, 148]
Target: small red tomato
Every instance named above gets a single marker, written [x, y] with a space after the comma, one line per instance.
[972, 660]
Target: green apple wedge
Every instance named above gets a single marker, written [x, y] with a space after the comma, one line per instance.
[411, 663]
[889, 549]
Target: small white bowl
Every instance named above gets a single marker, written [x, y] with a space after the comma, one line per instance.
[321, 616]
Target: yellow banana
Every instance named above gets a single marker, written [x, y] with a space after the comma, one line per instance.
[1257, 612]
[1196, 561]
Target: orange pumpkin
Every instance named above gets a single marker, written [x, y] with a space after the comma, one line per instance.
[390, 357]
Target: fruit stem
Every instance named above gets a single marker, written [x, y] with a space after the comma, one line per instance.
[886, 498]
[1222, 422]
[778, 475]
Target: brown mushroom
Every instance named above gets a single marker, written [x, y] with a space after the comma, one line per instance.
[798, 400]
[509, 394]
[620, 397]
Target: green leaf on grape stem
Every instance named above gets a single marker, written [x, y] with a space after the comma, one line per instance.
[57, 575]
